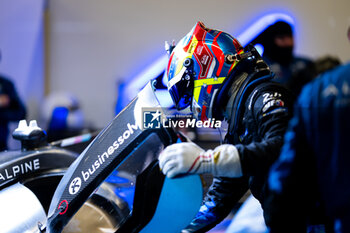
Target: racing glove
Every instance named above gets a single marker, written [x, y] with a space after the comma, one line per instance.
[187, 157]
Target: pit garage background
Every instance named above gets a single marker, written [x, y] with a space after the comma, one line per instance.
[94, 49]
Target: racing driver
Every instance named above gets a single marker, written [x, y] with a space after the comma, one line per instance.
[212, 74]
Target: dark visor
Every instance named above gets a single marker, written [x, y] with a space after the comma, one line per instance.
[181, 93]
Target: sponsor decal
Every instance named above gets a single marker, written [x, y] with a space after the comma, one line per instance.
[331, 90]
[19, 169]
[101, 159]
[273, 103]
[204, 59]
[63, 207]
[75, 185]
[192, 46]
[270, 96]
[199, 49]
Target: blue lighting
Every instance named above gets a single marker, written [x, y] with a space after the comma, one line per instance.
[260, 48]
[152, 71]
[260, 25]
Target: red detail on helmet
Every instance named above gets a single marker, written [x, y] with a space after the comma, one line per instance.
[200, 31]
[218, 54]
[204, 58]
[237, 45]
[169, 62]
[209, 89]
[203, 113]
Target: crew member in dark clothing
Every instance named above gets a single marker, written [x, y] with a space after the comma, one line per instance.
[313, 169]
[211, 73]
[290, 70]
[11, 109]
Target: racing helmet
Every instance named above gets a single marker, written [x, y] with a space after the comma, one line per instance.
[197, 67]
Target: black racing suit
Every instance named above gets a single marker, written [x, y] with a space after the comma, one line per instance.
[262, 112]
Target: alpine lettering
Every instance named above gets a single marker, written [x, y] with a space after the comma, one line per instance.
[19, 169]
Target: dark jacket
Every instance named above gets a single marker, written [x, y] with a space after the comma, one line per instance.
[15, 111]
[261, 115]
[294, 74]
[315, 158]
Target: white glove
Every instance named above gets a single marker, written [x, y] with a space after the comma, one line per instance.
[187, 157]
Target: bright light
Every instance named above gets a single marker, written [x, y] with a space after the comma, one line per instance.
[260, 48]
[152, 71]
[260, 25]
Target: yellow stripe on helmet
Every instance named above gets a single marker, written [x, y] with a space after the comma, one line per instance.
[189, 52]
[193, 45]
[208, 81]
[236, 62]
